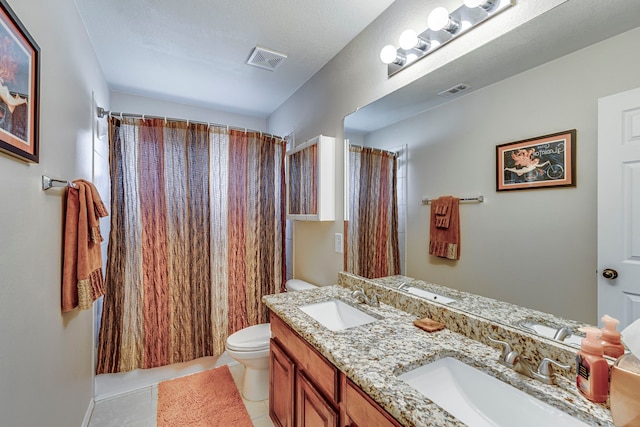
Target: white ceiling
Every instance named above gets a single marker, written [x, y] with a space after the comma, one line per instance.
[195, 52]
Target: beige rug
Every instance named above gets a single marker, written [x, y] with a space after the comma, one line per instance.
[205, 399]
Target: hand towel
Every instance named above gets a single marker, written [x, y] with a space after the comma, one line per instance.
[444, 239]
[443, 212]
[82, 279]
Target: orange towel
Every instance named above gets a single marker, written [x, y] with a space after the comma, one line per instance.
[82, 280]
[444, 239]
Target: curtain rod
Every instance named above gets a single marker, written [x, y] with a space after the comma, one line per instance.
[393, 153]
[102, 112]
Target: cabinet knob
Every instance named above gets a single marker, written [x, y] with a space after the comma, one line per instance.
[609, 273]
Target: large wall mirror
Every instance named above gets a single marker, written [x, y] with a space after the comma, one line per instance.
[535, 248]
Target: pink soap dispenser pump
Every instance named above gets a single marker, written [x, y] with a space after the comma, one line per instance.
[592, 368]
[611, 337]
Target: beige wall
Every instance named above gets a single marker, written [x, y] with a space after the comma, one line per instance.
[136, 104]
[447, 139]
[46, 357]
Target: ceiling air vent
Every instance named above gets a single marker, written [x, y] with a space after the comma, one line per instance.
[456, 90]
[266, 59]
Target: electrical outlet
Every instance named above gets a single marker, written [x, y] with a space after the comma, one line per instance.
[338, 243]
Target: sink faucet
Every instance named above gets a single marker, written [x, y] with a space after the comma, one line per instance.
[359, 295]
[562, 333]
[522, 365]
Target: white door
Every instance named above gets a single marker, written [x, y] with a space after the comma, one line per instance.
[619, 206]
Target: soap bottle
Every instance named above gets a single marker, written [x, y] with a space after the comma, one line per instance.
[611, 337]
[592, 369]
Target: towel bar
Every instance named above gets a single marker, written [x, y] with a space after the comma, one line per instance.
[48, 183]
[478, 199]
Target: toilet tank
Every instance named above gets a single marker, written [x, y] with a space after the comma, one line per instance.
[294, 285]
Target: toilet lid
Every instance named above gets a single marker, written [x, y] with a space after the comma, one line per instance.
[250, 339]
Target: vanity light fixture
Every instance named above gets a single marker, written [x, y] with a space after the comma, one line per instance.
[443, 26]
[439, 19]
[389, 55]
[409, 40]
[484, 4]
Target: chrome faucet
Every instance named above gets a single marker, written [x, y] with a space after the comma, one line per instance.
[359, 295]
[522, 365]
[562, 333]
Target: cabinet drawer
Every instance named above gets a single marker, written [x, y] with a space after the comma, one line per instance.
[361, 410]
[318, 369]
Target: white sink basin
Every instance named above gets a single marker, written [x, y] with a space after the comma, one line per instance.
[428, 295]
[479, 400]
[337, 315]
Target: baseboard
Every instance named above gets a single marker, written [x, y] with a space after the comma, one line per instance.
[87, 415]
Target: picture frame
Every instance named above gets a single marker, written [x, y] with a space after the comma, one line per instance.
[540, 162]
[19, 88]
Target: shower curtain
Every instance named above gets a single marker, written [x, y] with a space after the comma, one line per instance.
[197, 238]
[372, 227]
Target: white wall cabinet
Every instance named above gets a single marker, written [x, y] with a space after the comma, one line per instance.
[311, 180]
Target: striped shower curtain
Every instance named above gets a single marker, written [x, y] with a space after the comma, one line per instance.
[197, 238]
[372, 228]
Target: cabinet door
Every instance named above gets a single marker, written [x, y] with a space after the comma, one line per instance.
[312, 409]
[311, 180]
[359, 410]
[281, 387]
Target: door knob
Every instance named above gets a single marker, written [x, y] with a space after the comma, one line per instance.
[609, 273]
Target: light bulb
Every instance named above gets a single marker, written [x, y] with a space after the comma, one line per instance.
[388, 54]
[411, 58]
[408, 39]
[439, 19]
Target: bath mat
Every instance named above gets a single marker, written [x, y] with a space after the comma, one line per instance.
[205, 399]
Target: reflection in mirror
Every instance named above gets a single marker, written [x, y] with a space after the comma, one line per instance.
[375, 191]
[534, 248]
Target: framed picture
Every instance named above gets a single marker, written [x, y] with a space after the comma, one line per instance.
[545, 161]
[19, 88]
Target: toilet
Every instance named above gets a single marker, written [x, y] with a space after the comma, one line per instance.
[250, 347]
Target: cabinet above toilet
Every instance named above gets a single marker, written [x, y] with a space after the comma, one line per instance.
[311, 180]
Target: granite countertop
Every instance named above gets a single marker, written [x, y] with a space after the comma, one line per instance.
[509, 314]
[373, 355]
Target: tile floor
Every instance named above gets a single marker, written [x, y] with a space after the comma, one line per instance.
[138, 408]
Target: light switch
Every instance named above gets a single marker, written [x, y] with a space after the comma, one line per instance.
[338, 243]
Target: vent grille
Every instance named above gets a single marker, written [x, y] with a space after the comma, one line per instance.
[266, 59]
[455, 90]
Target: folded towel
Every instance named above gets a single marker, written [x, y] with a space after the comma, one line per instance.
[444, 239]
[428, 324]
[82, 279]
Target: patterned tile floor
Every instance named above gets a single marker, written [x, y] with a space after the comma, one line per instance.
[138, 408]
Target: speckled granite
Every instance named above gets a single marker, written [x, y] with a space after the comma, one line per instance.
[476, 317]
[372, 355]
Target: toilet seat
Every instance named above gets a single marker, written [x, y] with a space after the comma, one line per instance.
[253, 338]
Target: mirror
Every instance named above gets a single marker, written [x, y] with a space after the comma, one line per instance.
[534, 248]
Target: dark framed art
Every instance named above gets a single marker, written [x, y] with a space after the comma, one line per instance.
[544, 161]
[19, 88]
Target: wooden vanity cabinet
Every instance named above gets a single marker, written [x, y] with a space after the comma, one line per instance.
[281, 387]
[306, 390]
[303, 386]
[359, 410]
